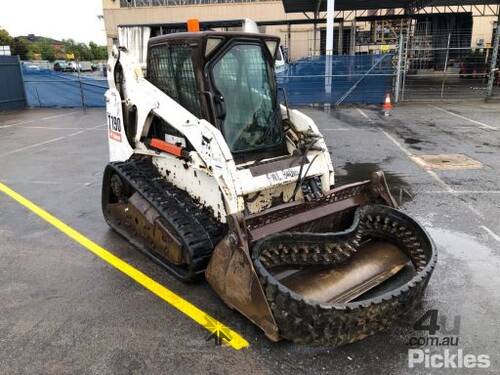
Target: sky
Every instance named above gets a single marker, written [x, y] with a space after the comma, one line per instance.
[57, 19]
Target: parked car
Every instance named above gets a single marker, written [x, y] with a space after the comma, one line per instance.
[85, 66]
[32, 67]
[72, 67]
[60, 66]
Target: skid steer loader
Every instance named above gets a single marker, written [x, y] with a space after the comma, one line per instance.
[211, 177]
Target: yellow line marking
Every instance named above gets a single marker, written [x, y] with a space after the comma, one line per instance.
[230, 337]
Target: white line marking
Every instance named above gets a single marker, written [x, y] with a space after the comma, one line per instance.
[60, 115]
[16, 123]
[43, 119]
[492, 234]
[460, 192]
[433, 174]
[59, 128]
[40, 144]
[364, 114]
[482, 124]
[50, 141]
[399, 145]
[447, 187]
[471, 208]
[49, 128]
[409, 154]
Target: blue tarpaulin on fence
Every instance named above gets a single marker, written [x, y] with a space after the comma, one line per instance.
[335, 79]
[315, 80]
[46, 88]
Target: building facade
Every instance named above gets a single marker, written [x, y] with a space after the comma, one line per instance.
[361, 31]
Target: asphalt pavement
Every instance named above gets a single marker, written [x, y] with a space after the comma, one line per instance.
[66, 311]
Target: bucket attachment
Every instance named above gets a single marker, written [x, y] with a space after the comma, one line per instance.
[328, 271]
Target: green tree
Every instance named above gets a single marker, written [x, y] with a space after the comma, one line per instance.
[94, 51]
[5, 38]
[33, 49]
[98, 52]
[69, 46]
[102, 53]
[84, 52]
[47, 50]
[18, 46]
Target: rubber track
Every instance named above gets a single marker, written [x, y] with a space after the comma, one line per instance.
[305, 321]
[195, 227]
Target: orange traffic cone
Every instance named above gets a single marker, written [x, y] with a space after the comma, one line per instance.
[387, 107]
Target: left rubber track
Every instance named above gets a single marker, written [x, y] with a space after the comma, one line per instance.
[193, 226]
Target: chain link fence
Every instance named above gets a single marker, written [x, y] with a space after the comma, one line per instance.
[428, 64]
[444, 66]
[48, 88]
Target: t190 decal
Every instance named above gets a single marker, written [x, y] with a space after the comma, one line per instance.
[114, 128]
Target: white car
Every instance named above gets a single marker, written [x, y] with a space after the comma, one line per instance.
[73, 66]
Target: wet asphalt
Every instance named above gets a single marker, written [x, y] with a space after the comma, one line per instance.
[65, 311]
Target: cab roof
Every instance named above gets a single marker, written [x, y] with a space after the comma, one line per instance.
[202, 35]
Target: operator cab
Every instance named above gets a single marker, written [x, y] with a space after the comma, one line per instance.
[228, 79]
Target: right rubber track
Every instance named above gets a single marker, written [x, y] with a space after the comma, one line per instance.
[305, 321]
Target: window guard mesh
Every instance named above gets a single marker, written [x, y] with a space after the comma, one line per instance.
[170, 68]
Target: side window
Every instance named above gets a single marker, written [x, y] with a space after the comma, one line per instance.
[170, 68]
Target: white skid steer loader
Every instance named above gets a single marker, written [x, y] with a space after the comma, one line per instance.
[210, 176]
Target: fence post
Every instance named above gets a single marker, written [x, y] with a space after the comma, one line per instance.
[80, 83]
[494, 57]
[447, 54]
[397, 85]
[445, 69]
[315, 32]
[22, 80]
[330, 22]
[353, 37]
[289, 51]
[340, 41]
[405, 66]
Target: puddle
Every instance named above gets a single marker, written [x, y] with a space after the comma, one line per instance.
[412, 141]
[354, 172]
[482, 261]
